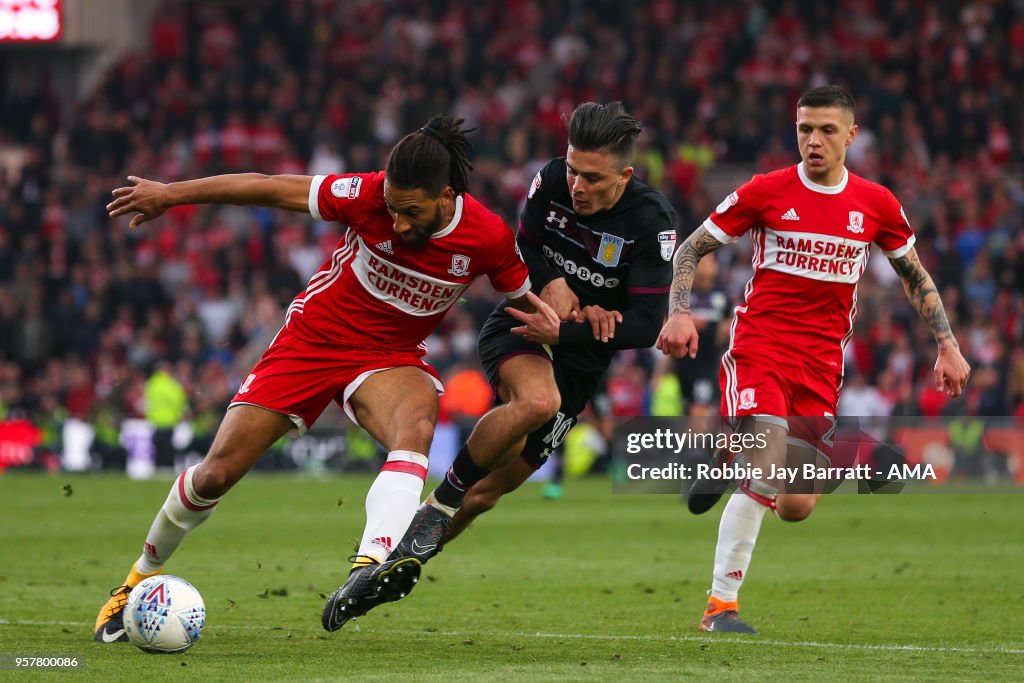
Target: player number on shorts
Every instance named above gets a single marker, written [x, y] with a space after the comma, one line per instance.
[562, 426]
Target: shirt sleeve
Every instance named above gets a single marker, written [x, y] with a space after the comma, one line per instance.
[895, 237]
[639, 328]
[531, 229]
[341, 198]
[737, 213]
[509, 275]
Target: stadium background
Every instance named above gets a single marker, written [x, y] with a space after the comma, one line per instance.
[118, 344]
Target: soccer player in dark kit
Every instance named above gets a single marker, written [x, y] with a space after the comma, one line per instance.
[598, 243]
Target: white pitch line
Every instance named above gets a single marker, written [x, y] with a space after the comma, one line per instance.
[743, 641]
[600, 636]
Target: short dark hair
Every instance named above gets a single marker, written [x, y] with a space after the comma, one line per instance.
[828, 96]
[594, 127]
[432, 157]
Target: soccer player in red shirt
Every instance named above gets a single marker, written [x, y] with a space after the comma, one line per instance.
[415, 241]
[812, 226]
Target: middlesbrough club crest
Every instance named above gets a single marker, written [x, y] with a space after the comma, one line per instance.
[460, 265]
[856, 222]
[747, 400]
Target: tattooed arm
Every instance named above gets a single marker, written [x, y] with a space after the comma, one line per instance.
[951, 370]
[678, 335]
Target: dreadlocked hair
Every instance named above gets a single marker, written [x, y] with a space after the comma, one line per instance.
[433, 157]
[594, 127]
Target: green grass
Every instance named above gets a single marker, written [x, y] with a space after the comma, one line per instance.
[911, 587]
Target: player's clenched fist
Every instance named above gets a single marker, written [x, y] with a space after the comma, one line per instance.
[678, 337]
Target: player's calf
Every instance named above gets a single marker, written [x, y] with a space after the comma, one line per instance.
[704, 492]
[795, 507]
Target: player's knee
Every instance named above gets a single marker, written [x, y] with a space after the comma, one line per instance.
[213, 478]
[418, 430]
[539, 408]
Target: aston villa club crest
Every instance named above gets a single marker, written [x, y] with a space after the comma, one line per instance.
[610, 250]
[460, 265]
[856, 222]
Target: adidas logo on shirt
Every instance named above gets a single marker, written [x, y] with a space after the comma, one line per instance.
[790, 215]
[386, 247]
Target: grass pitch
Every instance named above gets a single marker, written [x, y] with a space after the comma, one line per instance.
[595, 586]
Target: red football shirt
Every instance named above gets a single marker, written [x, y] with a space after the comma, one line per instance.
[811, 245]
[373, 291]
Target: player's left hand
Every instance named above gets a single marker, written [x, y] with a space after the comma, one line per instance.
[542, 326]
[145, 198]
[602, 322]
[951, 371]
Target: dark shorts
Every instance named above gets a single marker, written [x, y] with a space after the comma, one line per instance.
[577, 387]
[699, 385]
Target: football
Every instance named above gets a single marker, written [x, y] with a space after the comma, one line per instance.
[164, 614]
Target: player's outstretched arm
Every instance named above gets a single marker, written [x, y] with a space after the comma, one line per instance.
[149, 199]
[951, 369]
[678, 335]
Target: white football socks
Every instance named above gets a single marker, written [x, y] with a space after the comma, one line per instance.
[391, 503]
[737, 534]
[182, 512]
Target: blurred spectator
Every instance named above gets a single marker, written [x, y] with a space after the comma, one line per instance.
[166, 406]
[235, 85]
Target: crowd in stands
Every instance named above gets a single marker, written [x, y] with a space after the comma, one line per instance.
[90, 310]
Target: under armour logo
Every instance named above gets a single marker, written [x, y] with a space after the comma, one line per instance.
[553, 217]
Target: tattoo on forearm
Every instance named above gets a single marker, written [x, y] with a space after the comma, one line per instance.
[690, 252]
[924, 297]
